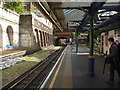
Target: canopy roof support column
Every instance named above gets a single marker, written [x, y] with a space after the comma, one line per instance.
[91, 57]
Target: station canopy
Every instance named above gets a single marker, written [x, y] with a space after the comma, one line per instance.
[72, 15]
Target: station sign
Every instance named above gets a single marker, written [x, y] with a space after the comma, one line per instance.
[117, 37]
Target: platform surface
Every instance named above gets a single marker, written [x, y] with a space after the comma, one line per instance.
[73, 72]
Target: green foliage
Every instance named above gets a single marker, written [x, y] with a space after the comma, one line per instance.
[73, 35]
[15, 6]
[96, 34]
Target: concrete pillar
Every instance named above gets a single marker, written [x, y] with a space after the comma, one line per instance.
[1, 38]
[43, 39]
[51, 40]
[37, 38]
[26, 34]
[40, 39]
[47, 40]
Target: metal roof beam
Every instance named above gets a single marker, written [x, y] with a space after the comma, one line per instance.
[110, 27]
[79, 8]
[95, 6]
[114, 8]
[112, 20]
[93, 10]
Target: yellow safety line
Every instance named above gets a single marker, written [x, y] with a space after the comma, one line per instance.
[56, 73]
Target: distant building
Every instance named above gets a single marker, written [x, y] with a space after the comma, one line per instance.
[35, 29]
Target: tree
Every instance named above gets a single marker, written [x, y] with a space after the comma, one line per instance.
[15, 6]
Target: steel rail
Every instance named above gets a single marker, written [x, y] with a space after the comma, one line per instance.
[27, 78]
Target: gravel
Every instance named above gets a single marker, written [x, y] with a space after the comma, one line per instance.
[9, 63]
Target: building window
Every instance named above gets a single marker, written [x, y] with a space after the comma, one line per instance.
[115, 31]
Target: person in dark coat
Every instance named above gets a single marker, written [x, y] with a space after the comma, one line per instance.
[112, 57]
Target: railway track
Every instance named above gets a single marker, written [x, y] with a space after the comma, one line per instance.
[35, 76]
[18, 54]
[13, 55]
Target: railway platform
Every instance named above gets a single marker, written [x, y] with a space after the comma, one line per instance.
[72, 72]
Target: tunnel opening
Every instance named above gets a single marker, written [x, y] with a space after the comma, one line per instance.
[61, 41]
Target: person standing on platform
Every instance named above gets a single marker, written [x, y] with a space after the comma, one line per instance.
[112, 58]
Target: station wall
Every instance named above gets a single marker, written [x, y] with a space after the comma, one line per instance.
[34, 33]
[9, 28]
[104, 39]
[25, 31]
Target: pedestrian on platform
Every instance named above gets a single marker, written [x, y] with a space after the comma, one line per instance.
[113, 60]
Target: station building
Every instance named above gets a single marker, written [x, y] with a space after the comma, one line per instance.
[35, 29]
[35, 32]
[9, 28]
[30, 30]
